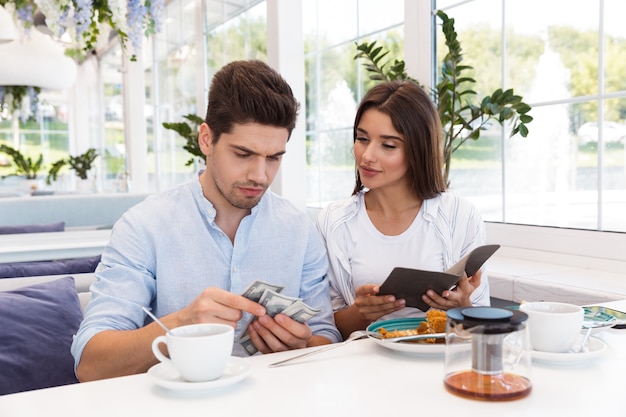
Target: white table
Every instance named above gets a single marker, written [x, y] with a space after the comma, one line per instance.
[27, 247]
[358, 379]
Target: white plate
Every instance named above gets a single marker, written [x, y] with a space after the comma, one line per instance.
[595, 347]
[411, 347]
[422, 348]
[168, 377]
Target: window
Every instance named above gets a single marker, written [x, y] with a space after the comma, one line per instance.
[113, 147]
[335, 83]
[171, 87]
[42, 132]
[184, 57]
[569, 172]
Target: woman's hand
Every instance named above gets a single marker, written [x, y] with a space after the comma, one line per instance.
[371, 306]
[368, 307]
[458, 297]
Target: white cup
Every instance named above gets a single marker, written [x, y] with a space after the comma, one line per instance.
[553, 327]
[199, 352]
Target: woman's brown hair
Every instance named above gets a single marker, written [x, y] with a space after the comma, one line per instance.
[413, 115]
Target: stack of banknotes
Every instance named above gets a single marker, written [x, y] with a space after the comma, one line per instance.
[269, 296]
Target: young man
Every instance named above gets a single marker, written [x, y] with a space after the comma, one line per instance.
[189, 253]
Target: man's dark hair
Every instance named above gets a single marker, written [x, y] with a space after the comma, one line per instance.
[249, 92]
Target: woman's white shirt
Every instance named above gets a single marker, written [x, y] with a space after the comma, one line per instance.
[444, 230]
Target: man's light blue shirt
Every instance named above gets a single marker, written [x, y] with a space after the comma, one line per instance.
[167, 249]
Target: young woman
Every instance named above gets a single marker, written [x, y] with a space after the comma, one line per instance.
[400, 214]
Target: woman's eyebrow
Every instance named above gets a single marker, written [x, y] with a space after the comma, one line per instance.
[386, 137]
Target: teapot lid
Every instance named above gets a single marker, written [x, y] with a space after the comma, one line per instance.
[492, 320]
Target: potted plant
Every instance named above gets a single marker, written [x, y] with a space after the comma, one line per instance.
[461, 118]
[24, 166]
[81, 164]
[190, 134]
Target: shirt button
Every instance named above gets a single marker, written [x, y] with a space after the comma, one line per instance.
[234, 269]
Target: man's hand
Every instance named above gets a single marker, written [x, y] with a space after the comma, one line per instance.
[112, 353]
[279, 333]
[215, 305]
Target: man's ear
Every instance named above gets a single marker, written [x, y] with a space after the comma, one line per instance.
[205, 138]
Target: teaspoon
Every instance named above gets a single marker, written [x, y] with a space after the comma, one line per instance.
[148, 312]
[590, 326]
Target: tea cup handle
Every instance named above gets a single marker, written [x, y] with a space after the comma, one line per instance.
[157, 352]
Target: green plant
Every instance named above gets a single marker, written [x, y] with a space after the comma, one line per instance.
[54, 171]
[81, 164]
[461, 119]
[190, 134]
[24, 166]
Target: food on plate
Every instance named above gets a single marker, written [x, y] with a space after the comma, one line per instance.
[436, 320]
[435, 323]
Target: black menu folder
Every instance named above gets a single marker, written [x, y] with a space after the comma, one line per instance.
[411, 284]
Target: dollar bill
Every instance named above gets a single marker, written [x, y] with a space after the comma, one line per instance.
[275, 303]
[247, 344]
[254, 292]
[256, 289]
[300, 312]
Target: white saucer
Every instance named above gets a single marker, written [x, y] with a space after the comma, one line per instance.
[595, 347]
[168, 377]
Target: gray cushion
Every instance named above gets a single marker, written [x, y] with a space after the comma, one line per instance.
[32, 228]
[37, 324]
[58, 267]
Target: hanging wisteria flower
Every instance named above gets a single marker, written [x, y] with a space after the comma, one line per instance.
[156, 12]
[83, 19]
[118, 10]
[22, 9]
[136, 16]
[56, 12]
[82, 16]
[25, 14]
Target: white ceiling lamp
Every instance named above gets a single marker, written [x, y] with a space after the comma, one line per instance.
[38, 61]
[7, 27]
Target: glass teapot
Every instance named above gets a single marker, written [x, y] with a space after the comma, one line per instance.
[487, 353]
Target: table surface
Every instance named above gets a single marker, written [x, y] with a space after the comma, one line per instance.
[358, 379]
[25, 247]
